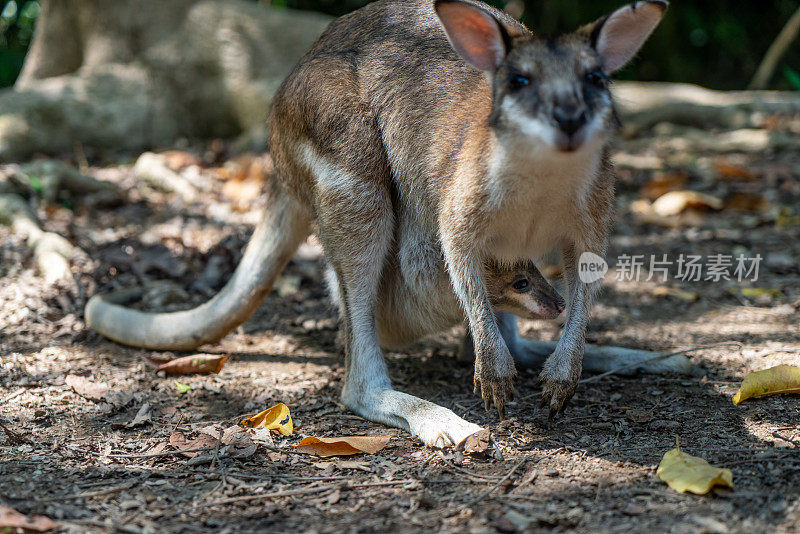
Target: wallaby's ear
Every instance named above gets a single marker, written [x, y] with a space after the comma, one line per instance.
[475, 34]
[619, 35]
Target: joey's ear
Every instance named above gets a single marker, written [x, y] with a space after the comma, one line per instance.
[475, 34]
[619, 35]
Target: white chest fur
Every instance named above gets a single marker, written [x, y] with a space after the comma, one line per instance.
[537, 195]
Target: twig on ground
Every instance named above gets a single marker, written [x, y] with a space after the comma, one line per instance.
[152, 455]
[216, 457]
[304, 491]
[13, 395]
[15, 438]
[454, 467]
[493, 488]
[89, 494]
[789, 440]
[283, 449]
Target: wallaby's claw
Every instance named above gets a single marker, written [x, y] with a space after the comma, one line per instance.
[555, 395]
[495, 391]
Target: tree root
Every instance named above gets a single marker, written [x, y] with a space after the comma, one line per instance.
[678, 139]
[51, 251]
[52, 180]
[643, 105]
[153, 169]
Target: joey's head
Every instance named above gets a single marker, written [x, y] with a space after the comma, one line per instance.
[521, 290]
[553, 91]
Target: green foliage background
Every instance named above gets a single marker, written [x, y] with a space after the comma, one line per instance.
[715, 43]
[17, 18]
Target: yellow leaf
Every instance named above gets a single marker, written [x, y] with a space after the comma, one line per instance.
[682, 294]
[754, 292]
[182, 388]
[275, 418]
[684, 472]
[343, 446]
[779, 379]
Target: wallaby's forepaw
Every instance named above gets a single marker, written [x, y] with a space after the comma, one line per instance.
[559, 378]
[494, 390]
[555, 395]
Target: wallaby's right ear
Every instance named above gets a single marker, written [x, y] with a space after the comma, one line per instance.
[475, 34]
[619, 35]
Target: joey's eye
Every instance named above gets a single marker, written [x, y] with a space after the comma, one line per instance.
[518, 81]
[596, 77]
[520, 284]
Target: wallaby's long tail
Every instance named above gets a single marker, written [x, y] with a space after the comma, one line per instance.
[283, 227]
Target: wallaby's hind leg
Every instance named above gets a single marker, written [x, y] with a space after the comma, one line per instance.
[360, 218]
[531, 354]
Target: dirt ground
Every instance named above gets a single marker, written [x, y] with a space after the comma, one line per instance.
[78, 461]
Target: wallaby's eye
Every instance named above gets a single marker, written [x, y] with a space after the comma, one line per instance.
[520, 284]
[518, 81]
[596, 77]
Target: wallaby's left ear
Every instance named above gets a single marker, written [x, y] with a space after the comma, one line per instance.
[619, 35]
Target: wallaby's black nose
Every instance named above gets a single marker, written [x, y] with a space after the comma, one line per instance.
[570, 120]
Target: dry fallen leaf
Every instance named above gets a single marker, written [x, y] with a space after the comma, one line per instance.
[243, 190]
[343, 446]
[144, 415]
[684, 472]
[643, 212]
[97, 391]
[675, 202]
[747, 202]
[236, 439]
[203, 441]
[245, 177]
[276, 418]
[354, 465]
[261, 436]
[772, 381]
[661, 184]
[13, 522]
[178, 160]
[727, 171]
[477, 443]
[639, 416]
[197, 364]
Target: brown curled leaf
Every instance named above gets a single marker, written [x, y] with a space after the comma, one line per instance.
[342, 446]
[196, 364]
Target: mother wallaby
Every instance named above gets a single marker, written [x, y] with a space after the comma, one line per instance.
[416, 129]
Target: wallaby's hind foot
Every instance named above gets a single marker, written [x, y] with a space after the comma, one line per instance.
[435, 425]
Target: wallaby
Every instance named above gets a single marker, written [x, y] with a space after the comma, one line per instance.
[415, 130]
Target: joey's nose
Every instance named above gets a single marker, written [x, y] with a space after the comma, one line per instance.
[569, 120]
